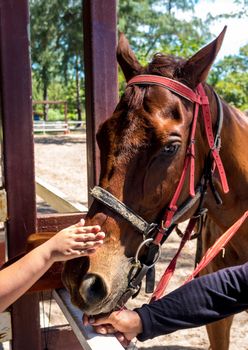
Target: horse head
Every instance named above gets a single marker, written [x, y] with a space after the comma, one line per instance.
[143, 146]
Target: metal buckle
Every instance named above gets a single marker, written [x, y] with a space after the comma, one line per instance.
[147, 242]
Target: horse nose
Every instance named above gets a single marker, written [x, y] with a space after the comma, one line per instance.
[93, 289]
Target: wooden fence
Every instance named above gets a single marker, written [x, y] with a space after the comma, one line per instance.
[44, 127]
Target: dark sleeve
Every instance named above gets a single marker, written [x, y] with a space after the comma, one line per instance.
[206, 299]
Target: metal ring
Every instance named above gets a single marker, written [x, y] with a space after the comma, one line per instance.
[147, 242]
[82, 251]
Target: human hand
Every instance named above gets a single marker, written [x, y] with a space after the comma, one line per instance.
[75, 241]
[125, 324]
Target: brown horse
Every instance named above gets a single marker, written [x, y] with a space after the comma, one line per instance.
[143, 148]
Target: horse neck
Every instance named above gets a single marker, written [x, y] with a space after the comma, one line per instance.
[234, 136]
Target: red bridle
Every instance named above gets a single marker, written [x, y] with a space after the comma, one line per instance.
[199, 98]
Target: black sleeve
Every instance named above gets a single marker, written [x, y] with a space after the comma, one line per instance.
[206, 299]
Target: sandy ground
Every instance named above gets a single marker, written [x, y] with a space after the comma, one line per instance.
[61, 161]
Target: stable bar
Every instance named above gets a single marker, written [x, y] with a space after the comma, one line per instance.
[57, 199]
[18, 149]
[85, 334]
[101, 88]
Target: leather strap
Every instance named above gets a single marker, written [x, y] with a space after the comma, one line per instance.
[170, 84]
[210, 138]
[117, 206]
[218, 246]
[165, 279]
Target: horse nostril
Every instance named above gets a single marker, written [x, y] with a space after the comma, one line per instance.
[93, 289]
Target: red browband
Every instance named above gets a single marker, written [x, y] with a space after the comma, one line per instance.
[169, 84]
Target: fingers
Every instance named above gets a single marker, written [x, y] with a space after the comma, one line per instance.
[122, 339]
[106, 329]
[82, 228]
[93, 321]
[80, 223]
[92, 228]
[102, 325]
[101, 320]
[85, 237]
[85, 319]
[76, 253]
[87, 245]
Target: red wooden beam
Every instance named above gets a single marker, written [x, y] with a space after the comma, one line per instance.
[56, 222]
[16, 109]
[99, 22]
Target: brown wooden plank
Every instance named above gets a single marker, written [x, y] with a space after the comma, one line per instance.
[101, 92]
[16, 108]
[2, 253]
[56, 222]
[60, 338]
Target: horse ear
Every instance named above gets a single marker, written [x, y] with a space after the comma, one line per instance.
[196, 69]
[127, 59]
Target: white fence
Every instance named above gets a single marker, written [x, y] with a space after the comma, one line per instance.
[58, 126]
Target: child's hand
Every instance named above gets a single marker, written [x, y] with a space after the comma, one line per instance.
[75, 241]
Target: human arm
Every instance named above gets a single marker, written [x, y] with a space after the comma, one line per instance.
[72, 242]
[201, 301]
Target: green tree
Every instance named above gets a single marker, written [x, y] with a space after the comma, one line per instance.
[43, 44]
[57, 48]
[70, 41]
[230, 78]
[153, 25]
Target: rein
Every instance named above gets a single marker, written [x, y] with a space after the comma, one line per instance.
[153, 234]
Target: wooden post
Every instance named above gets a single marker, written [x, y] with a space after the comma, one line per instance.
[99, 20]
[16, 113]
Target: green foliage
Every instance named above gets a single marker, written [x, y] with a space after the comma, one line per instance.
[150, 25]
[230, 78]
[56, 51]
[55, 115]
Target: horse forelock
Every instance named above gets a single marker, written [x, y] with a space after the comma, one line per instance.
[168, 66]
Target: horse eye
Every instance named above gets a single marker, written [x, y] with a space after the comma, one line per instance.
[170, 150]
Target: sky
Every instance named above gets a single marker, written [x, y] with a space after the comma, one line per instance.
[237, 29]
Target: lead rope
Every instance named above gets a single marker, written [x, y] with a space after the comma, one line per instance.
[218, 246]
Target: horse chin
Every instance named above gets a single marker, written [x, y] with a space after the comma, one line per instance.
[100, 310]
